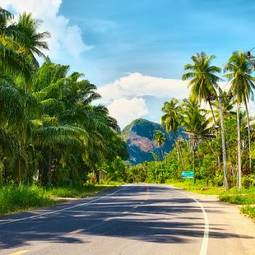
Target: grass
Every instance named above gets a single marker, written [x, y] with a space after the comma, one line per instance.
[15, 198]
[77, 192]
[244, 197]
[20, 198]
[249, 211]
[200, 187]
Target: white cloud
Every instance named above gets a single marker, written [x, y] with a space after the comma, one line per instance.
[126, 110]
[66, 39]
[130, 97]
[136, 95]
[139, 85]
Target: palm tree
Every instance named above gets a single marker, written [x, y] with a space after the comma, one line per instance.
[195, 124]
[242, 85]
[204, 85]
[12, 57]
[160, 139]
[55, 124]
[66, 100]
[203, 77]
[226, 103]
[32, 41]
[171, 121]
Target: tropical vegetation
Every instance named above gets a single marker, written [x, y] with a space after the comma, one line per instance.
[52, 131]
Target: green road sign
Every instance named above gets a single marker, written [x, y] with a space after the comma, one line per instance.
[187, 174]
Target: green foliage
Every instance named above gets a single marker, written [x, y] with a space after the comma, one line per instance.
[16, 198]
[200, 186]
[235, 196]
[51, 131]
[248, 210]
[248, 181]
[76, 191]
[115, 170]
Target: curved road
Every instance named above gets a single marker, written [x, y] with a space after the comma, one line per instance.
[130, 220]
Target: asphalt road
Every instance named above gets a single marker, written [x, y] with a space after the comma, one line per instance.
[130, 220]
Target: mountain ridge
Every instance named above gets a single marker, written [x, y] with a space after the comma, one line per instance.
[139, 138]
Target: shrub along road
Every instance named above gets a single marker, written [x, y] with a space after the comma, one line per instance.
[132, 219]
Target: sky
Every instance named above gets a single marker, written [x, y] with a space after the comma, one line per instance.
[135, 50]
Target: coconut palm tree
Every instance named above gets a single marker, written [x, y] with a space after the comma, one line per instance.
[204, 80]
[239, 72]
[195, 124]
[202, 76]
[171, 120]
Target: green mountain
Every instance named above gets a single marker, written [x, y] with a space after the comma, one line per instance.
[139, 137]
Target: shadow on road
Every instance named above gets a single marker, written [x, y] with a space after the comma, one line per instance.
[158, 215]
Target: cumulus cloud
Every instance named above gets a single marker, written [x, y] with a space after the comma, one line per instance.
[139, 85]
[126, 110]
[66, 39]
[136, 95]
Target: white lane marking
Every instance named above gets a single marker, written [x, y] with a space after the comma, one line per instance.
[204, 245]
[63, 209]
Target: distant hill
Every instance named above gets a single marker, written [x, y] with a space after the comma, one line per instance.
[139, 137]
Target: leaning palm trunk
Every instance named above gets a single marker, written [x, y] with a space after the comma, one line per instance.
[239, 165]
[224, 153]
[249, 132]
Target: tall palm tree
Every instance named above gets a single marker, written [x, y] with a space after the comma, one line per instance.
[195, 125]
[202, 76]
[171, 121]
[204, 80]
[239, 72]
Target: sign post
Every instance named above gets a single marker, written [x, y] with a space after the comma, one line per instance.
[187, 174]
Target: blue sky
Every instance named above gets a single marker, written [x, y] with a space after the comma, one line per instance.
[134, 50]
[157, 37]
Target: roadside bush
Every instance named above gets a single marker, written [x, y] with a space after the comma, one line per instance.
[248, 181]
[248, 210]
[218, 180]
[16, 198]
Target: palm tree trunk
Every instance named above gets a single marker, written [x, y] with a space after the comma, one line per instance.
[239, 166]
[194, 159]
[224, 153]
[214, 119]
[249, 132]
[179, 153]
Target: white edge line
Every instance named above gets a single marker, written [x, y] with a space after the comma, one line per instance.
[4, 222]
[204, 245]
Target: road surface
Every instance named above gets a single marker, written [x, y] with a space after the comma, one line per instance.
[130, 220]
